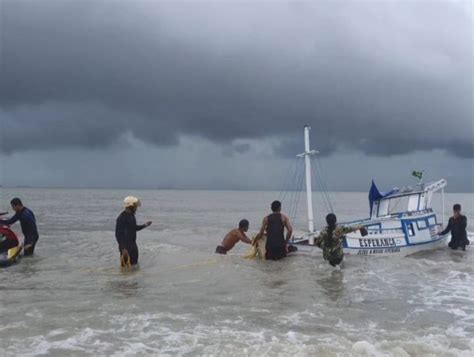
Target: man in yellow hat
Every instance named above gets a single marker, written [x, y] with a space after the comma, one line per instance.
[126, 229]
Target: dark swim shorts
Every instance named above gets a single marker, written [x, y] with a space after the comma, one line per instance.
[221, 250]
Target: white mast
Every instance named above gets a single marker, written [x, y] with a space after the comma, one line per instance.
[309, 193]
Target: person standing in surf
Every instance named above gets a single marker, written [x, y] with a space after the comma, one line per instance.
[274, 225]
[330, 239]
[28, 224]
[457, 226]
[126, 229]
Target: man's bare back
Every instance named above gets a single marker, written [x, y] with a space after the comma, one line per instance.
[233, 237]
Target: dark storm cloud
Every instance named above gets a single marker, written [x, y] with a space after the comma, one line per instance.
[385, 78]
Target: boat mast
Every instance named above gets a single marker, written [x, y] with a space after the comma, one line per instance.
[309, 193]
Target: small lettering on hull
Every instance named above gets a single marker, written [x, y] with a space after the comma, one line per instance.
[378, 251]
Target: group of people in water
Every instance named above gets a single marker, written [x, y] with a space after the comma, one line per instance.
[330, 239]
[277, 241]
[276, 228]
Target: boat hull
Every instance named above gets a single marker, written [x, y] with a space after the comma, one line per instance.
[379, 247]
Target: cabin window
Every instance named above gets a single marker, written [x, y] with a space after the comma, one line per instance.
[374, 228]
[413, 203]
[398, 204]
[421, 224]
[382, 209]
[410, 230]
[432, 221]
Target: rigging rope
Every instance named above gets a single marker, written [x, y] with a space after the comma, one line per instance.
[321, 182]
[287, 181]
[294, 186]
[324, 181]
[323, 195]
[299, 189]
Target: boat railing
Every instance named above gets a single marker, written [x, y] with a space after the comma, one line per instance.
[384, 230]
[406, 214]
[359, 221]
[391, 215]
[415, 213]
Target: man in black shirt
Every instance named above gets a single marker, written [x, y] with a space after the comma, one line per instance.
[274, 225]
[126, 231]
[28, 224]
[457, 226]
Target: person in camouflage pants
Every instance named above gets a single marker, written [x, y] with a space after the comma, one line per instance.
[330, 239]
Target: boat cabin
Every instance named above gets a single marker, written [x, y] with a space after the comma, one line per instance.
[397, 203]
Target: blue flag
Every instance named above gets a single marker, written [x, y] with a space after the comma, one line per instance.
[374, 195]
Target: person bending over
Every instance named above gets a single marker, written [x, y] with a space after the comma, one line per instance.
[233, 237]
[28, 224]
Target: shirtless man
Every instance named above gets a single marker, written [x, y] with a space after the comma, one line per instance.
[233, 237]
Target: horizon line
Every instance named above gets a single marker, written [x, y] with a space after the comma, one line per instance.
[180, 189]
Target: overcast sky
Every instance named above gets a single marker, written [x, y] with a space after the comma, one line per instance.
[215, 95]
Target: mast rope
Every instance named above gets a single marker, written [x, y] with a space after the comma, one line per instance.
[323, 195]
[288, 181]
[293, 182]
[292, 192]
[321, 182]
[297, 196]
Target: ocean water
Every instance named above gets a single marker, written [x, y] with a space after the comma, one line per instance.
[71, 298]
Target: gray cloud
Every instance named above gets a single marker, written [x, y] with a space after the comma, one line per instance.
[383, 78]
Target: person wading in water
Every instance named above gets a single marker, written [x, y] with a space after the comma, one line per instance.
[126, 229]
[330, 239]
[274, 225]
[457, 226]
[28, 224]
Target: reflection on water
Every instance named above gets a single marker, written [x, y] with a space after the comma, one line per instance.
[458, 256]
[125, 288]
[332, 285]
[28, 266]
[273, 283]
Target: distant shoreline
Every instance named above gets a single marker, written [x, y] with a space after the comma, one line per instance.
[175, 189]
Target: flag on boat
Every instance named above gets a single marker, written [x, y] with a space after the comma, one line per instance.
[418, 174]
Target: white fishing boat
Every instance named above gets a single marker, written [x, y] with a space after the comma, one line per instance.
[401, 221]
